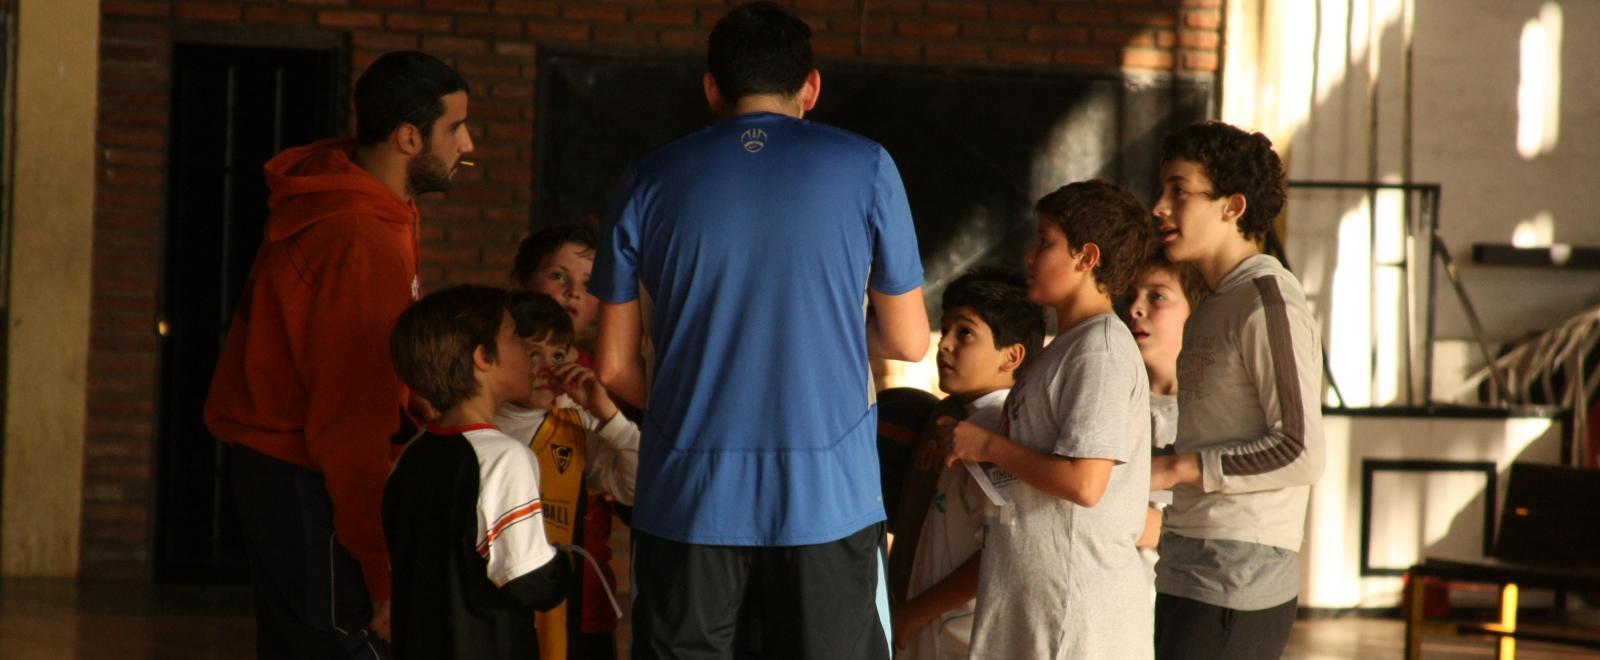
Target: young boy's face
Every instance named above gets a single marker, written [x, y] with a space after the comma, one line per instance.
[544, 353]
[564, 276]
[1052, 267]
[1156, 314]
[1191, 223]
[969, 364]
[510, 370]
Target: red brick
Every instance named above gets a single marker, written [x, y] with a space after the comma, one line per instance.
[389, 4]
[825, 46]
[488, 26]
[1086, 57]
[551, 31]
[440, 45]
[511, 175]
[516, 90]
[137, 52]
[487, 67]
[139, 96]
[450, 254]
[1199, 61]
[995, 31]
[623, 35]
[457, 6]
[350, 19]
[1200, 3]
[1020, 12]
[1127, 37]
[1198, 40]
[115, 29]
[278, 14]
[896, 7]
[926, 29]
[383, 40]
[1057, 34]
[1021, 55]
[827, 5]
[419, 22]
[1145, 58]
[969, 10]
[120, 217]
[134, 116]
[667, 17]
[322, 2]
[133, 177]
[688, 39]
[136, 8]
[132, 157]
[855, 26]
[891, 49]
[1076, 15]
[132, 137]
[1164, 19]
[206, 11]
[956, 52]
[516, 49]
[1203, 18]
[589, 12]
[544, 8]
[510, 130]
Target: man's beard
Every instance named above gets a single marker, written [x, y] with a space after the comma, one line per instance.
[427, 173]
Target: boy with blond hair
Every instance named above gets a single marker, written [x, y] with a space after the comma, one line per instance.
[1060, 576]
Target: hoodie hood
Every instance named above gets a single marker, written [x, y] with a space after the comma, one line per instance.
[318, 181]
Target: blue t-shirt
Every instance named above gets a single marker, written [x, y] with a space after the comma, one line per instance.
[755, 240]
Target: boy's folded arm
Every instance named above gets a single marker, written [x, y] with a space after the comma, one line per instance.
[541, 588]
[1081, 481]
[614, 458]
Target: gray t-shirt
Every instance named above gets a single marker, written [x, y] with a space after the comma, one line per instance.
[1060, 580]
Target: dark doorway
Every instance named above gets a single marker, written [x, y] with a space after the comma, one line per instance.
[975, 148]
[233, 108]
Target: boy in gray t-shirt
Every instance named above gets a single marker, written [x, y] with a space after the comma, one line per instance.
[1060, 576]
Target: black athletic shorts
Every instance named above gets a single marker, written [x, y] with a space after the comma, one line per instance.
[824, 602]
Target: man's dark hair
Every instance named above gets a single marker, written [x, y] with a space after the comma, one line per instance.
[538, 316]
[433, 341]
[1000, 297]
[545, 242]
[759, 48]
[403, 87]
[1237, 162]
[1107, 215]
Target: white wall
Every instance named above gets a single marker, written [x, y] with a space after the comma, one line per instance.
[1330, 82]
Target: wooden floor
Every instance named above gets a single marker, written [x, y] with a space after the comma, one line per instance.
[58, 619]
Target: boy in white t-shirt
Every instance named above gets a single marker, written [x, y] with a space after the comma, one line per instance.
[988, 330]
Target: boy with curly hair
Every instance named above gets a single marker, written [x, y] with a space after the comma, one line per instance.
[1250, 440]
[1060, 575]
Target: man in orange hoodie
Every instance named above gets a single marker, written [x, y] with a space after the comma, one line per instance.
[304, 390]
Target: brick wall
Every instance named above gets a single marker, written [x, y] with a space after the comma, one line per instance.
[470, 236]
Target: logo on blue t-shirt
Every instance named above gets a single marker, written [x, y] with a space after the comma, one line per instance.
[754, 140]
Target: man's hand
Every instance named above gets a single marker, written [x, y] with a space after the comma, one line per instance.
[379, 625]
[963, 441]
[579, 383]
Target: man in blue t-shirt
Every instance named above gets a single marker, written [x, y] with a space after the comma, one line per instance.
[747, 250]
